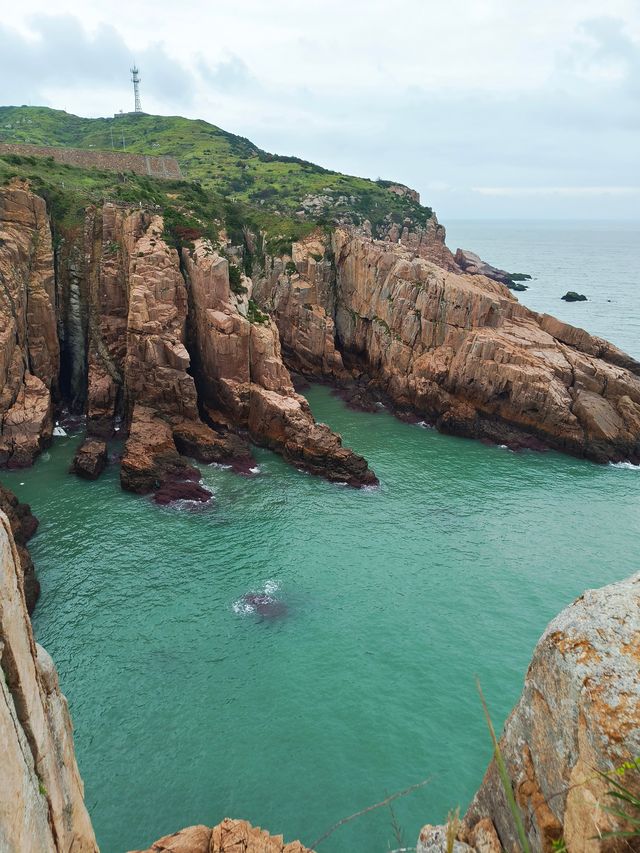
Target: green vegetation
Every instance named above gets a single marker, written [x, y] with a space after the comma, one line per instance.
[504, 778]
[255, 315]
[235, 280]
[627, 803]
[228, 179]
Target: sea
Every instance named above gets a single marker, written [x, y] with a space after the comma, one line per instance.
[190, 704]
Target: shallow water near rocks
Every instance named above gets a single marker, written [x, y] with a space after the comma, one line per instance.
[189, 705]
[187, 710]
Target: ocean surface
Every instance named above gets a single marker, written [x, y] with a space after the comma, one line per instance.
[189, 706]
[598, 259]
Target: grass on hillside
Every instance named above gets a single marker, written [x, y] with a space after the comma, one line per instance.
[278, 194]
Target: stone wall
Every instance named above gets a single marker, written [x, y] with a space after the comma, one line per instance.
[110, 161]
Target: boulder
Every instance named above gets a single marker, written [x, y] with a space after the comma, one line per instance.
[572, 296]
[90, 459]
[230, 836]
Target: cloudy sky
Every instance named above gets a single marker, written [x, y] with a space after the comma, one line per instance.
[489, 108]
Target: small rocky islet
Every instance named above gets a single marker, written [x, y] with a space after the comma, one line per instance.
[189, 342]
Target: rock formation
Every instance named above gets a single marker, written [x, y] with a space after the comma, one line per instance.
[579, 713]
[458, 350]
[41, 792]
[230, 836]
[90, 459]
[29, 354]
[242, 375]
[470, 263]
[23, 526]
[125, 308]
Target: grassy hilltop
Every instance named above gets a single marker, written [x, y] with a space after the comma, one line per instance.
[227, 178]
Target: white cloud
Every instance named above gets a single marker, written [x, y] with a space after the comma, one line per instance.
[478, 104]
[569, 192]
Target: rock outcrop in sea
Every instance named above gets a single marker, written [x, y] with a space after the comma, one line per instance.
[457, 350]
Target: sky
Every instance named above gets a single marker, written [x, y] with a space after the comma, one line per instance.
[489, 108]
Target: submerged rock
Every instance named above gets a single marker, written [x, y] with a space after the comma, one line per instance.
[263, 604]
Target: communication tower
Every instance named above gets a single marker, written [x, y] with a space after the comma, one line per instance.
[136, 88]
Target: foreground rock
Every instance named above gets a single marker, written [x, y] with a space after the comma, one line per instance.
[230, 836]
[90, 459]
[29, 352]
[23, 526]
[41, 792]
[579, 713]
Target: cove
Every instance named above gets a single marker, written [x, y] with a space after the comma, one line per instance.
[187, 709]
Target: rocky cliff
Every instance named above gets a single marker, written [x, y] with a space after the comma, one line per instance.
[126, 300]
[29, 351]
[458, 350]
[41, 793]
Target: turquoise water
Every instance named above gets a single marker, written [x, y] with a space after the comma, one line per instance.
[187, 711]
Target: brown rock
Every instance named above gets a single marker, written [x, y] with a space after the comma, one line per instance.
[230, 836]
[242, 373]
[151, 462]
[23, 526]
[579, 713]
[90, 459]
[41, 792]
[29, 352]
[463, 352]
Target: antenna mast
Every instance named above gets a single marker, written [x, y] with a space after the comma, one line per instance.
[136, 88]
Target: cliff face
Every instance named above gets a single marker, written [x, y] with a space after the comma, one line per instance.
[241, 372]
[456, 349]
[123, 310]
[579, 713]
[29, 352]
[41, 793]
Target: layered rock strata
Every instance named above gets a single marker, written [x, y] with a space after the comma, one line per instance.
[41, 792]
[457, 350]
[241, 373]
[29, 352]
[230, 836]
[579, 713]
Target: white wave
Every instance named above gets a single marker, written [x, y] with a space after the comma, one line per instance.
[424, 425]
[268, 590]
[254, 470]
[220, 465]
[624, 465]
[58, 430]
